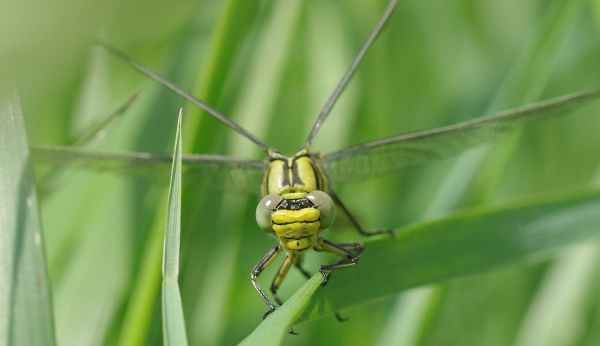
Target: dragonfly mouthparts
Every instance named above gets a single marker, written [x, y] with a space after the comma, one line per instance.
[295, 204]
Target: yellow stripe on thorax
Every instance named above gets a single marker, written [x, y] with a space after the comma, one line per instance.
[292, 174]
[306, 174]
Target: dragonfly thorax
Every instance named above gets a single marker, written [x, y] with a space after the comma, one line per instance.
[295, 174]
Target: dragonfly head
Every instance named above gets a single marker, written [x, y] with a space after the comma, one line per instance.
[295, 218]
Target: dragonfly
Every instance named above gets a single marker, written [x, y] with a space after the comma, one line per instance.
[297, 202]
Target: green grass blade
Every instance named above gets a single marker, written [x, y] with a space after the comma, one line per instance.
[172, 319]
[408, 317]
[97, 129]
[272, 330]
[527, 81]
[462, 244]
[471, 173]
[25, 306]
[89, 135]
[561, 301]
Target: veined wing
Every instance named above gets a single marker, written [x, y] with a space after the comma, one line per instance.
[212, 172]
[394, 153]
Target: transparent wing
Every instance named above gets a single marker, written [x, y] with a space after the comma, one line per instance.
[212, 172]
[394, 153]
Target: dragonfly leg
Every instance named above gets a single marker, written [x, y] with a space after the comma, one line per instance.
[349, 258]
[281, 273]
[298, 265]
[262, 264]
[353, 246]
[355, 222]
[290, 258]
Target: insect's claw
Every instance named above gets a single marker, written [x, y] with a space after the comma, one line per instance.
[326, 276]
[341, 318]
[293, 332]
[359, 249]
[379, 231]
[278, 301]
[390, 231]
[270, 311]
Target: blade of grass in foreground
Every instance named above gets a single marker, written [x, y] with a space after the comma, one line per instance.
[172, 311]
[272, 330]
[25, 304]
[461, 244]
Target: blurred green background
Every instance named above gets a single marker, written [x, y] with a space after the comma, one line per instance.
[271, 65]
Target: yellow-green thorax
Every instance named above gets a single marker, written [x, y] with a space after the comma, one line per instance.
[298, 173]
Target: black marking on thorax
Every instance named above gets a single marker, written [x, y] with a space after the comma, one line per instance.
[291, 175]
[285, 170]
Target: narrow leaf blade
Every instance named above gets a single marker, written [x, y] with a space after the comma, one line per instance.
[173, 321]
[462, 244]
[26, 316]
[272, 330]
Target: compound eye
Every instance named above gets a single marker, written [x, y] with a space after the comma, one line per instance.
[325, 205]
[264, 209]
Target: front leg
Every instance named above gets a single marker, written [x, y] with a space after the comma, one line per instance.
[262, 264]
[298, 265]
[355, 222]
[353, 246]
[349, 258]
[281, 273]
[278, 279]
[357, 247]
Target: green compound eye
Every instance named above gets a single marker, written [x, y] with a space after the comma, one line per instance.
[264, 209]
[325, 205]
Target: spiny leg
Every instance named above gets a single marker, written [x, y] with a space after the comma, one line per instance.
[278, 279]
[353, 246]
[358, 249]
[349, 258]
[262, 264]
[298, 264]
[355, 222]
[281, 273]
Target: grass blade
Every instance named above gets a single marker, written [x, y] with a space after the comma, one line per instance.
[561, 301]
[462, 244]
[94, 132]
[97, 129]
[173, 321]
[25, 304]
[272, 330]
